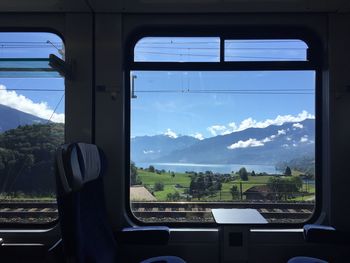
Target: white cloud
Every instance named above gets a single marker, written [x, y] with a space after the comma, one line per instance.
[245, 124]
[216, 128]
[279, 120]
[21, 103]
[298, 125]
[267, 139]
[198, 136]
[245, 144]
[304, 138]
[255, 142]
[170, 133]
[281, 132]
[148, 152]
[285, 145]
[288, 139]
[251, 123]
[232, 125]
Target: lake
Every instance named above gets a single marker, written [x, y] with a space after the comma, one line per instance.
[215, 168]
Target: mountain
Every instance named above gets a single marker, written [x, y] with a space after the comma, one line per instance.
[268, 146]
[11, 118]
[151, 148]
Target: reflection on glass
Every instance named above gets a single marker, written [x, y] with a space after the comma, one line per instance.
[265, 50]
[177, 49]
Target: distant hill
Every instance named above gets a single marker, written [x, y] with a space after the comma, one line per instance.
[150, 148]
[267, 146]
[11, 118]
[305, 164]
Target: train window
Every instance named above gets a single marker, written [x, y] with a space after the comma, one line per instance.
[223, 135]
[178, 49]
[265, 50]
[31, 126]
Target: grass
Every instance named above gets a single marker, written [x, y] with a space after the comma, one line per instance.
[162, 195]
[183, 180]
[149, 178]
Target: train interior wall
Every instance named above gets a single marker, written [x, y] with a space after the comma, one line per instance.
[95, 45]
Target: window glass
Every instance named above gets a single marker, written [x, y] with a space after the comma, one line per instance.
[177, 49]
[222, 139]
[265, 50]
[31, 126]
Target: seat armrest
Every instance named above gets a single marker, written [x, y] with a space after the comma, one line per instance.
[321, 234]
[148, 235]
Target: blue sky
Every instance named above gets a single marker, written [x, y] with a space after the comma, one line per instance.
[28, 98]
[206, 104]
[188, 103]
[189, 113]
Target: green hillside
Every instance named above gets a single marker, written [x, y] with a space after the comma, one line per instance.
[26, 159]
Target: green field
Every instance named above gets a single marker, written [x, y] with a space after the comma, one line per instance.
[181, 181]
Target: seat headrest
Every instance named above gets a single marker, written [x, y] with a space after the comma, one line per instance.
[77, 163]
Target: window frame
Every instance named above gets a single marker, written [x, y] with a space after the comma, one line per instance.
[52, 224]
[314, 62]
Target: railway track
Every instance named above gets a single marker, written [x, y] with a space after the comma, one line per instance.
[271, 211]
[166, 210]
[27, 209]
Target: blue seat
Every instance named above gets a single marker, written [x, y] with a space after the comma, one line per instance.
[306, 260]
[86, 234]
[319, 234]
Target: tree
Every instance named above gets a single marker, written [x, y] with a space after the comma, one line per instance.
[158, 186]
[276, 185]
[234, 192]
[284, 187]
[218, 186]
[173, 196]
[243, 174]
[206, 184]
[134, 179]
[309, 176]
[198, 186]
[151, 169]
[288, 171]
[201, 189]
[172, 174]
[27, 158]
[297, 183]
[253, 173]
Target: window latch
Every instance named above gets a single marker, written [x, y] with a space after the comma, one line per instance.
[61, 66]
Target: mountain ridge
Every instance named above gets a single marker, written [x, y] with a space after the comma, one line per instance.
[269, 145]
[11, 118]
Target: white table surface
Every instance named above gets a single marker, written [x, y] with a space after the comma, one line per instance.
[238, 216]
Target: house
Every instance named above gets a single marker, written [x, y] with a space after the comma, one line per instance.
[259, 192]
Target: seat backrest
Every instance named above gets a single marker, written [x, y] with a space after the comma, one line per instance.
[86, 232]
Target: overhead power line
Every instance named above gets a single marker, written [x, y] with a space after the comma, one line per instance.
[216, 56]
[7, 89]
[228, 41]
[56, 107]
[234, 91]
[217, 48]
